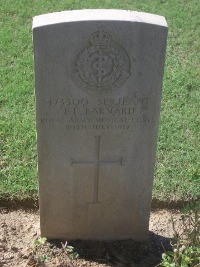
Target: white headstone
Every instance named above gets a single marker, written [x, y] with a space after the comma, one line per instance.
[98, 79]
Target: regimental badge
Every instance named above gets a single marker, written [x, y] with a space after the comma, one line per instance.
[102, 66]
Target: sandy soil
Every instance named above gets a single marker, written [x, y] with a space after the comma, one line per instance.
[19, 229]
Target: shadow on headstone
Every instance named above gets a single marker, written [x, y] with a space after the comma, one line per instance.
[122, 252]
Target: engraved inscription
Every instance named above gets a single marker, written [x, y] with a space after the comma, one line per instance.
[102, 113]
[102, 65]
[97, 162]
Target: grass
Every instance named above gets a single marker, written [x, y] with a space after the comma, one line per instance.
[177, 175]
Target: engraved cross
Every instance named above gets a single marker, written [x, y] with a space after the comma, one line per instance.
[97, 162]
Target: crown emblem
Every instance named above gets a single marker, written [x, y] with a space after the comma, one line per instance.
[100, 38]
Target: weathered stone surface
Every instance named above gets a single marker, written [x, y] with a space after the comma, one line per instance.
[98, 77]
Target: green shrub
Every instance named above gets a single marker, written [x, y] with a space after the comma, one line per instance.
[186, 240]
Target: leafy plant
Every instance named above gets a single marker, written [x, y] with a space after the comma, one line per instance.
[186, 241]
[43, 258]
[40, 241]
[70, 251]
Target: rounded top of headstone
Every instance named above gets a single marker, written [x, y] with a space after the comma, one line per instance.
[98, 15]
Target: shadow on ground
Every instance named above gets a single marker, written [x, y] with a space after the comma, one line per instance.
[122, 253]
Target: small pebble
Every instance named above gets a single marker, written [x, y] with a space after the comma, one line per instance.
[4, 210]
[13, 248]
[2, 239]
[3, 224]
[19, 255]
[35, 234]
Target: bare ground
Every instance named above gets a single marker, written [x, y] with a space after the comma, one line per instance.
[19, 229]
